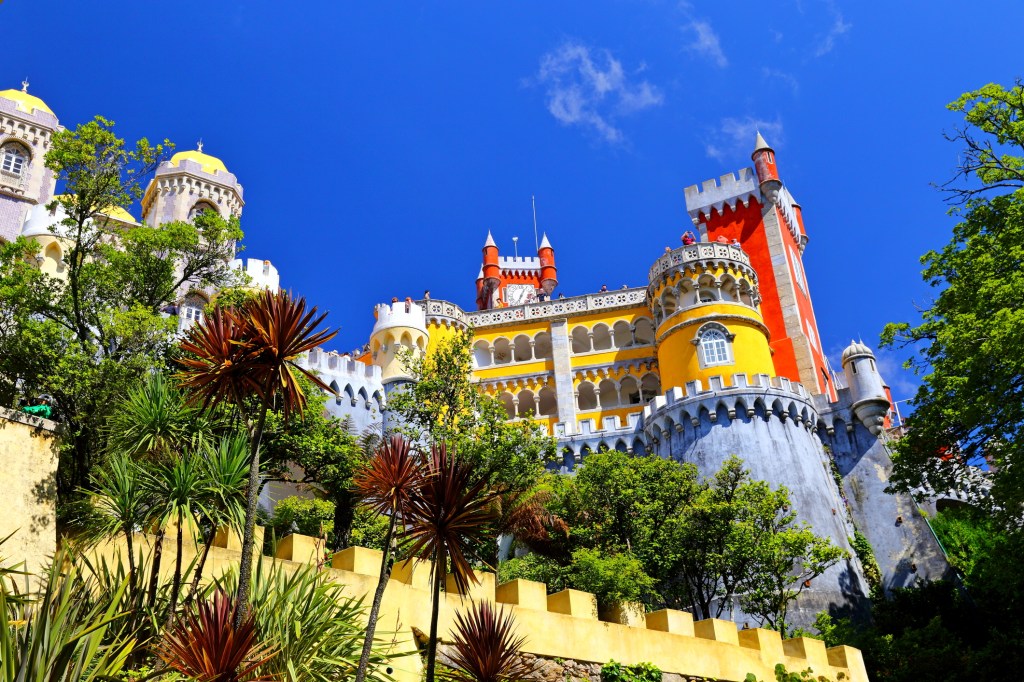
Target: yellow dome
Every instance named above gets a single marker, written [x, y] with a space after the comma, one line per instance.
[25, 101]
[210, 164]
[118, 213]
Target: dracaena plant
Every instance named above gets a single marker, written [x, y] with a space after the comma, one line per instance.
[452, 512]
[387, 484]
[486, 648]
[246, 357]
[205, 644]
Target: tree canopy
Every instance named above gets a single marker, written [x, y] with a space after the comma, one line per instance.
[970, 405]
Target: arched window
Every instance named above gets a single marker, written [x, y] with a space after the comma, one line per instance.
[191, 311]
[13, 160]
[481, 353]
[714, 343]
[201, 207]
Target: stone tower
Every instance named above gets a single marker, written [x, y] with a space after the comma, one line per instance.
[26, 126]
[189, 182]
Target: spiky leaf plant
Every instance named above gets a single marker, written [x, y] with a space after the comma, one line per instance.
[452, 513]
[205, 644]
[486, 648]
[387, 484]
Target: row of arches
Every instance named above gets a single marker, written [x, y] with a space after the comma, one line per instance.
[391, 343]
[355, 397]
[687, 293]
[530, 403]
[609, 393]
[526, 348]
[723, 411]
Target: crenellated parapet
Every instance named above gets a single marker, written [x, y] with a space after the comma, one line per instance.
[714, 195]
[560, 307]
[563, 625]
[729, 398]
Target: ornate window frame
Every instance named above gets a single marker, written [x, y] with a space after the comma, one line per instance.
[721, 353]
[15, 161]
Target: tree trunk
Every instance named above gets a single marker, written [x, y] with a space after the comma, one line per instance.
[434, 609]
[378, 596]
[344, 514]
[207, 543]
[252, 494]
[154, 573]
[176, 583]
[132, 577]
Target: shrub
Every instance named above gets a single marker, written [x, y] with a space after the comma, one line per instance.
[612, 671]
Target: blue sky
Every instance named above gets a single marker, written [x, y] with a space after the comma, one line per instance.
[378, 142]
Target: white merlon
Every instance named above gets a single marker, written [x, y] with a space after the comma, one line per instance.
[519, 263]
[399, 314]
[728, 190]
[334, 364]
[262, 273]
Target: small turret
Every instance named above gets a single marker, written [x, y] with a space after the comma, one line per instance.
[491, 272]
[401, 329]
[867, 390]
[764, 164]
[548, 271]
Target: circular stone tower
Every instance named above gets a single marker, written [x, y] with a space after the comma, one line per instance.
[867, 390]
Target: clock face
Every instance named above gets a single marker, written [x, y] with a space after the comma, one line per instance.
[520, 294]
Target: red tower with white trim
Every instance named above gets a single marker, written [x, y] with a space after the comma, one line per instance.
[756, 209]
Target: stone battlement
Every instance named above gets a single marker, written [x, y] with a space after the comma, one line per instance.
[519, 263]
[715, 195]
[336, 364]
[739, 395]
[399, 314]
[444, 313]
[610, 300]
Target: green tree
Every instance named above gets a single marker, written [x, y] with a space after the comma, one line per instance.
[444, 406]
[324, 452]
[85, 337]
[970, 404]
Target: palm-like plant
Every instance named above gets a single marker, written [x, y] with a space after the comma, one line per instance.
[486, 646]
[248, 356]
[206, 645]
[225, 471]
[387, 485]
[173, 487]
[450, 515]
[121, 504]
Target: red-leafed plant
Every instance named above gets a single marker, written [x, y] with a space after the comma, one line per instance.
[246, 357]
[387, 484]
[453, 511]
[206, 645]
[486, 646]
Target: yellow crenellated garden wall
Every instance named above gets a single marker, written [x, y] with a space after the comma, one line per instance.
[564, 625]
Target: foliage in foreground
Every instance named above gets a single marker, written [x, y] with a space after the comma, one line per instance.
[486, 647]
[613, 671]
[648, 529]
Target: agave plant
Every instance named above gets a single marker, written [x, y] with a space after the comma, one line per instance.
[387, 485]
[306, 616]
[68, 633]
[205, 644]
[486, 648]
[452, 512]
[247, 356]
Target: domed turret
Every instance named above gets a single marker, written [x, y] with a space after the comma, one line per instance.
[25, 102]
[210, 164]
[867, 390]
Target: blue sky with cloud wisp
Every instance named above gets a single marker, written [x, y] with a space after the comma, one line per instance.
[378, 142]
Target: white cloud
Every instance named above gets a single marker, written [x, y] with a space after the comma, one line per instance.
[787, 80]
[706, 43]
[734, 137]
[839, 27]
[589, 88]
